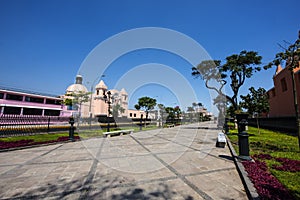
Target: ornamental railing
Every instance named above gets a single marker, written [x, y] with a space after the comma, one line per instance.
[12, 125]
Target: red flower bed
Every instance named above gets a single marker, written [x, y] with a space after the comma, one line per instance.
[287, 165]
[267, 186]
[22, 143]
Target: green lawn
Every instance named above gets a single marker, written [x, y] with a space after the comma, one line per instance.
[278, 145]
[85, 134]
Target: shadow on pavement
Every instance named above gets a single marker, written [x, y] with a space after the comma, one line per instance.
[112, 188]
[226, 157]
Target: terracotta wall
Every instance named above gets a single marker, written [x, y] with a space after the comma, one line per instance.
[282, 104]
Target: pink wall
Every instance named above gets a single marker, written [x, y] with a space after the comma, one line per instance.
[14, 103]
[282, 104]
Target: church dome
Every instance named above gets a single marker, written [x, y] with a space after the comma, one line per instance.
[77, 86]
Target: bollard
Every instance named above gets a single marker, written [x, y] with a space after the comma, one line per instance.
[71, 130]
[226, 127]
[243, 137]
[141, 122]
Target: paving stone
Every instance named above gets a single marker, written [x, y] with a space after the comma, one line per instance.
[174, 163]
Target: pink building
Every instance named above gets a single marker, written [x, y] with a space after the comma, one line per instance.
[99, 107]
[18, 102]
[281, 99]
[96, 105]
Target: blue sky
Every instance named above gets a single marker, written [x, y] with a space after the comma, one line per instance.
[43, 43]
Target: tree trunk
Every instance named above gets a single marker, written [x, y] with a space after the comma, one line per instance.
[257, 124]
[146, 119]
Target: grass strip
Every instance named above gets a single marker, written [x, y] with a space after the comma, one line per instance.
[277, 145]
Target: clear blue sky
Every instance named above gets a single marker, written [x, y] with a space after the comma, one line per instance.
[44, 42]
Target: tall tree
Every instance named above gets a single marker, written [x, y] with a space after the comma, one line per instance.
[256, 101]
[161, 110]
[190, 109]
[194, 104]
[237, 68]
[77, 99]
[177, 112]
[147, 104]
[291, 57]
[116, 110]
[171, 113]
[220, 102]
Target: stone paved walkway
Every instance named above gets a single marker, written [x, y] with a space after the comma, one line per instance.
[173, 163]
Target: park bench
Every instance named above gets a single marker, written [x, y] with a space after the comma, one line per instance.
[170, 125]
[119, 132]
[221, 140]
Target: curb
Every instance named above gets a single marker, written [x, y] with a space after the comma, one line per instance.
[248, 185]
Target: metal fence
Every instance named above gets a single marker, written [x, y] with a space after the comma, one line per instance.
[12, 125]
[285, 124]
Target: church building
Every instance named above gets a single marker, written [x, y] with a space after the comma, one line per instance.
[92, 104]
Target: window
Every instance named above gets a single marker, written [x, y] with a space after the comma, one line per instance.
[34, 99]
[283, 85]
[97, 92]
[134, 115]
[52, 113]
[14, 97]
[53, 101]
[1, 95]
[12, 110]
[130, 114]
[32, 111]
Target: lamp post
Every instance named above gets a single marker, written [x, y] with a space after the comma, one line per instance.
[71, 129]
[90, 107]
[107, 99]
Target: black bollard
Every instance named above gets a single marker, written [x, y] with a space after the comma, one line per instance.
[243, 137]
[71, 129]
[226, 127]
[141, 122]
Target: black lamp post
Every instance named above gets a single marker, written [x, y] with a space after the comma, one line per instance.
[107, 99]
[71, 130]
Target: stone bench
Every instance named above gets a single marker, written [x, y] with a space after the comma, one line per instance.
[221, 140]
[119, 132]
[170, 125]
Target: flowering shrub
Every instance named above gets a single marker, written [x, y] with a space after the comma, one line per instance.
[267, 186]
[22, 143]
[263, 156]
[287, 165]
